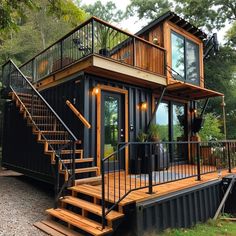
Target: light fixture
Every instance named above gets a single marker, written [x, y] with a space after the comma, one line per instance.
[155, 40]
[95, 90]
[193, 110]
[143, 105]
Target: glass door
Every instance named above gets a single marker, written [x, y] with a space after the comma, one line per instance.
[171, 119]
[179, 122]
[112, 127]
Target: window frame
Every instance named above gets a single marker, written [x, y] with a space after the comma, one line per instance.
[187, 39]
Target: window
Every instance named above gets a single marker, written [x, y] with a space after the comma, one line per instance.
[162, 120]
[185, 59]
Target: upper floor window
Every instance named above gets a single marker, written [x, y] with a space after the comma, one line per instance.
[185, 59]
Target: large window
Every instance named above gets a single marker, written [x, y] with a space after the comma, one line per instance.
[185, 59]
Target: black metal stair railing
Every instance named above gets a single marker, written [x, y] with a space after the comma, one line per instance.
[138, 165]
[58, 139]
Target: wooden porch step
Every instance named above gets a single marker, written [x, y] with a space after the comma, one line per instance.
[83, 170]
[91, 207]
[47, 124]
[55, 229]
[80, 160]
[96, 193]
[54, 141]
[66, 152]
[52, 132]
[86, 170]
[80, 222]
[91, 180]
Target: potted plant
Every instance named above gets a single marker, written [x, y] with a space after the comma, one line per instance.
[153, 133]
[158, 155]
[103, 35]
[139, 150]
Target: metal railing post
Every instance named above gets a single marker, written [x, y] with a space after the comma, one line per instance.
[92, 36]
[198, 162]
[229, 157]
[57, 181]
[73, 162]
[103, 195]
[134, 52]
[150, 163]
[61, 52]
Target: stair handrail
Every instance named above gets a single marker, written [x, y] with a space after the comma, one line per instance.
[44, 101]
[73, 140]
[78, 114]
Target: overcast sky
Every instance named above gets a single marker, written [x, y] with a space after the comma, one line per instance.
[133, 24]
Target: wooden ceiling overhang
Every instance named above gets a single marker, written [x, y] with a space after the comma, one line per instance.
[177, 20]
[190, 92]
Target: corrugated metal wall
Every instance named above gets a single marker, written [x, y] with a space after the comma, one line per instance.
[57, 96]
[21, 152]
[137, 118]
[182, 209]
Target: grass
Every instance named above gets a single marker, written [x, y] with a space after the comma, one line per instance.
[211, 228]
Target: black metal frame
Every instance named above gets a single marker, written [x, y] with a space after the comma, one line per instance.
[222, 156]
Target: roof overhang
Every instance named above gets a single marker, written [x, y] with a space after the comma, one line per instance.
[176, 19]
[190, 92]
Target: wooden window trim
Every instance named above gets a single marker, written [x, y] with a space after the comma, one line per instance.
[168, 27]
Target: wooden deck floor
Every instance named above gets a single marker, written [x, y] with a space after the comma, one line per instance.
[119, 185]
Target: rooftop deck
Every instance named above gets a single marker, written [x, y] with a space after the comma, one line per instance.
[96, 37]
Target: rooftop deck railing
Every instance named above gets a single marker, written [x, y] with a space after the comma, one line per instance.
[96, 37]
[138, 165]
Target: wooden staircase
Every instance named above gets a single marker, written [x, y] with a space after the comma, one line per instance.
[77, 215]
[80, 211]
[49, 134]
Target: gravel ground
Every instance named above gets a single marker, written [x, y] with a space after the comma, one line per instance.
[23, 201]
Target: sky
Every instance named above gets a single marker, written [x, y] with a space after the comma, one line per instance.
[133, 24]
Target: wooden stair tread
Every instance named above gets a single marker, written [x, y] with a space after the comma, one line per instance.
[60, 228]
[86, 169]
[79, 160]
[90, 180]
[48, 230]
[91, 207]
[80, 222]
[94, 192]
[54, 141]
[83, 170]
[51, 132]
[55, 229]
[77, 151]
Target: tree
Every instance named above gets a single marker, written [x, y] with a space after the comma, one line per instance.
[40, 29]
[210, 14]
[150, 9]
[211, 129]
[12, 12]
[107, 12]
[231, 35]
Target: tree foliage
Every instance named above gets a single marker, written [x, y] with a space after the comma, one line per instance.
[107, 12]
[41, 28]
[210, 14]
[13, 12]
[211, 129]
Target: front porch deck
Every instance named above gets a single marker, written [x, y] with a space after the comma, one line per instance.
[122, 183]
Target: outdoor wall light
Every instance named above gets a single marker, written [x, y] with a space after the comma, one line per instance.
[143, 106]
[193, 110]
[155, 40]
[95, 91]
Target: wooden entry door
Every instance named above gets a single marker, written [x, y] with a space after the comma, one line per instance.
[112, 128]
